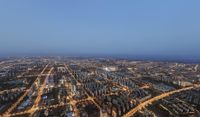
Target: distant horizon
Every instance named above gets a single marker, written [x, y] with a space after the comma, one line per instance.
[124, 57]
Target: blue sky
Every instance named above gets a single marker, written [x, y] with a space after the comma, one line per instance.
[128, 27]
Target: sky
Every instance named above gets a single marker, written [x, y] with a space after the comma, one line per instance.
[100, 27]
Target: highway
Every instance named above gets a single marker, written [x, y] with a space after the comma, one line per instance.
[150, 101]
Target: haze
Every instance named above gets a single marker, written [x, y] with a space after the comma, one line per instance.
[104, 27]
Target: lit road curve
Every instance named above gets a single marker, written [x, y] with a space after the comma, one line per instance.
[13, 106]
[150, 101]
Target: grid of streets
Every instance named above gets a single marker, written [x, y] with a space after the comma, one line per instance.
[97, 87]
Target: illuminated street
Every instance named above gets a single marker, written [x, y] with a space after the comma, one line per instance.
[90, 87]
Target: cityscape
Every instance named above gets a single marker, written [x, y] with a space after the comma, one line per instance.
[97, 87]
[99, 58]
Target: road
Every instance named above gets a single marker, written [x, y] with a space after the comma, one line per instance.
[36, 107]
[11, 90]
[89, 97]
[40, 92]
[13, 106]
[71, 101]
[150, 101]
